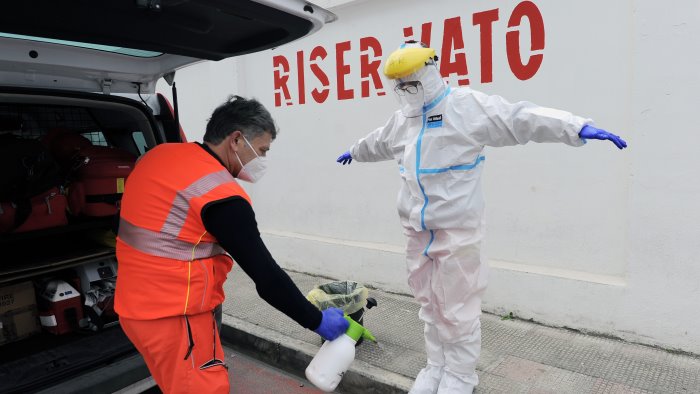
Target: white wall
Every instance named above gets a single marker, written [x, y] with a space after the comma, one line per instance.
[589, 238]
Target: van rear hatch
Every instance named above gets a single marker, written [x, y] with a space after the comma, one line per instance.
[126, 46]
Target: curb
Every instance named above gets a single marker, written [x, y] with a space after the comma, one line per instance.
[293, 356]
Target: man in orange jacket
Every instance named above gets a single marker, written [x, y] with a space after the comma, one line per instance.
[183, 218]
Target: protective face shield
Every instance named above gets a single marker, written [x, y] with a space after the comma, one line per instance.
[408, 59]
[253, 170]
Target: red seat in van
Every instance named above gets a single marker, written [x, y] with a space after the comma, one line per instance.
[96, 173]
[98, 185]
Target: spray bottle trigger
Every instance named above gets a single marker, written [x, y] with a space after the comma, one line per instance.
[356, 331]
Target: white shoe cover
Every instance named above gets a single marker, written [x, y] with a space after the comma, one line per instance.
[460, 364]
[452, 384]
[427, 381]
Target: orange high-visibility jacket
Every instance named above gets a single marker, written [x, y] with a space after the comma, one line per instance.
[168, 264]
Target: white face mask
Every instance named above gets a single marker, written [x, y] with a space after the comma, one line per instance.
[253, 170]
[412, 98]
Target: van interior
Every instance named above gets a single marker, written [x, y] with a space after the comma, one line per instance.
[66, 158]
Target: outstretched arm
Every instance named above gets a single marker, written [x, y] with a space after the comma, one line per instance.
[374, 147]
[493, 121]
[244, 244]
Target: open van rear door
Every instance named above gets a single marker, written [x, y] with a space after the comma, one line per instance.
[118, 46]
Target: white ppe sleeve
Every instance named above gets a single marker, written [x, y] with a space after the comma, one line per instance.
[376, 145]
[518, 123]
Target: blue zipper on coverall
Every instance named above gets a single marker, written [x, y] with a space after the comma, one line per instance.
[426, 108]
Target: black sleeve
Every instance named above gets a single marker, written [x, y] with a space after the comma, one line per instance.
[232, 222]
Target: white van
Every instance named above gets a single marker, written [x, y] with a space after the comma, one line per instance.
[77, 109]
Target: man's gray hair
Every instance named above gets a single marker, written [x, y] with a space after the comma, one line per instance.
[238, 113]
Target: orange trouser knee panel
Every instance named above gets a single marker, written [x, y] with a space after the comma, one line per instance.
[163, 343]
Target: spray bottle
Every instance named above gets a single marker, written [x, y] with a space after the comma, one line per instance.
[333, 359]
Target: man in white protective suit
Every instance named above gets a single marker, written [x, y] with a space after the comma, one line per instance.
[437, 138]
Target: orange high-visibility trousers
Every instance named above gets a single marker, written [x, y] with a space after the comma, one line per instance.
[164, 343]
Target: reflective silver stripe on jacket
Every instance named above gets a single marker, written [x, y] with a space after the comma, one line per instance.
[181, 205]
[164, 245]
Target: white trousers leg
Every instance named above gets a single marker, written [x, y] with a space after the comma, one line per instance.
[460, 364]
[448, 279]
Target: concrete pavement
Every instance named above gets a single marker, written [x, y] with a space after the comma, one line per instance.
[517, 356]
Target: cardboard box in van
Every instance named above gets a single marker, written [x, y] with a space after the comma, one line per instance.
[18, 312]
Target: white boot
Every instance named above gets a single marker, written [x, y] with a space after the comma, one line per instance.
[453, 384]
[459, 376]
[428, 378]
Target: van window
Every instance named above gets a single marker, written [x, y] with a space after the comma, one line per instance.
[102, 127]
[97, 47]
[140, 141]
[96, 137]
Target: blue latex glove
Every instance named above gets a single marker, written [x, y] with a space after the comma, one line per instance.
[333, 324]
[591, 133]
[345, 158]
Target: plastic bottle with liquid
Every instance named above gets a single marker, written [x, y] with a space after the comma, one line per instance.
[330, 363]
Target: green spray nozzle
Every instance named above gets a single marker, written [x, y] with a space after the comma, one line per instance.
[356, 330]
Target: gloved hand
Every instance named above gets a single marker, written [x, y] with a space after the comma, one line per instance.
[345, 158]
[333, 324]
[590, 132]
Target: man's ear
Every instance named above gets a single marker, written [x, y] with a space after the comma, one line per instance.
[235, 136]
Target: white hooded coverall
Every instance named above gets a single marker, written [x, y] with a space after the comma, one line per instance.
[440, 204]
